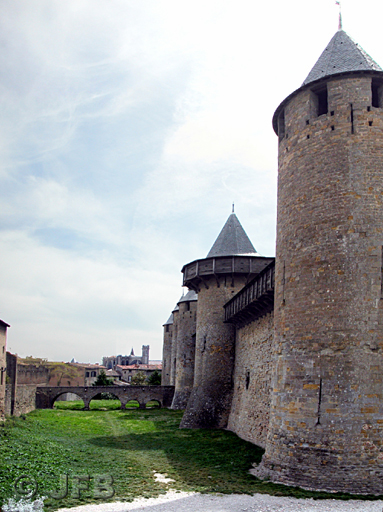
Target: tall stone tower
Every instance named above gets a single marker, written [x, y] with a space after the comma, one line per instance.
[184, 377]
[167, 351]
[145, 354]
[231, 262]
[326, 421]
[173, 354]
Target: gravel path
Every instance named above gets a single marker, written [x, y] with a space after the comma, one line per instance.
[191, 502]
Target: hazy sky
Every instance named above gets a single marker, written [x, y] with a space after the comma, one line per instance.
[127, 129]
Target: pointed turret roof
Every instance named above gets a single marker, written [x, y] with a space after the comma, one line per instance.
[169, 320]
[232, 240]
[341, 55]
[132, 352]
[189, 297]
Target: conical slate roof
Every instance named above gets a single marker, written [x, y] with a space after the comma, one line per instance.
[189, 297]
[232, 240]
[341, 55]
[169, 320]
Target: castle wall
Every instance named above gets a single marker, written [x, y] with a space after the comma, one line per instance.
[3, 341]
[249, 415]
[173, 356]
[186, 340]
[167, 354]
[25, 399]
[326, 423]
[210, 400]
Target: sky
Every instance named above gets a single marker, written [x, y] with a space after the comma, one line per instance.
[127, 130]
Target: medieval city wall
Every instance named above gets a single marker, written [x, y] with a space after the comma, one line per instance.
[24, 399]
[249, 416]
[3, 338]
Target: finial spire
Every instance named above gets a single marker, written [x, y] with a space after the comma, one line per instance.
[340, 14]
[232, 211]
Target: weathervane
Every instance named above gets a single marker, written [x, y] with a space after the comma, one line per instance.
[233, 208]
[340, 14]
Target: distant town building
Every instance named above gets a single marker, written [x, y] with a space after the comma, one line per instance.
[110, 362]
[127, 372]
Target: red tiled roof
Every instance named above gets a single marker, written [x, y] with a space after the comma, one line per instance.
[140, 367]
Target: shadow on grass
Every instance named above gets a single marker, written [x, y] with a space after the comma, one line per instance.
[210, 461]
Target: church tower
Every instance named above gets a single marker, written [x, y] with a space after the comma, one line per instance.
[230, 264]
[326, 419]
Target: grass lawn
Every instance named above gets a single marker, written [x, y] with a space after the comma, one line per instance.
[130, 446]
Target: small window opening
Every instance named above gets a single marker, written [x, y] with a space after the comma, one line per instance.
[308, 136]
[332, 112]
[369, 123]
[166, 328]
[247, 379]
[375, 85]
[321, 101]
[332, 128]
[307, 121]
[188, 306]
[368, 109]
[281, 125]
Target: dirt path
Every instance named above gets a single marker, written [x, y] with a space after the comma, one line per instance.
[192, 502]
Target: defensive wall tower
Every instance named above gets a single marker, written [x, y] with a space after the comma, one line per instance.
[187, 319]
[173, 355]
[326, 419]
[167, 351]
[230, 264]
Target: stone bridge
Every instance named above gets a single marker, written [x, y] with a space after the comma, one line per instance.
[46, 396]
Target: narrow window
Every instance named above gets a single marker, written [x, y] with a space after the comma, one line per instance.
[281, 125]
[322, 102]
[247, 379]
[375, 85]
[188, 306]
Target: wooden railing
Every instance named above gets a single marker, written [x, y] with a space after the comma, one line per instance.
[254, 300]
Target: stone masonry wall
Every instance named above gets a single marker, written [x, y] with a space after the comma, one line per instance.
[326, 418]
[173, 360]
[167, 355]
[3, 340]
[249, 416]
[210, 400]
[25, 399]
[186, 339]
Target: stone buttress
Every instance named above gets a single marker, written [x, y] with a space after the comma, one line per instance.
[230, 264]
[326, 418]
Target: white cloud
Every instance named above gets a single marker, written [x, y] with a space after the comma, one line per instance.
[127, 130]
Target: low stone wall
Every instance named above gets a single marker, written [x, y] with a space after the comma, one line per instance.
[21, 400]
[249, 416]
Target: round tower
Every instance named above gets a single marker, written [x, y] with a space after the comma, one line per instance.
[187, 319]
[173, 353]
[326, 420]
[167, 351]
[230, 264]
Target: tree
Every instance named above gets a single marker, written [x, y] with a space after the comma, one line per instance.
[139, 379]
[155, 378]
[102, 380]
